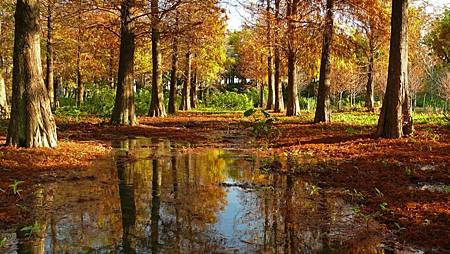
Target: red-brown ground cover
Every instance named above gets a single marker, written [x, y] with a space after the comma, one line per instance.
[343, 155]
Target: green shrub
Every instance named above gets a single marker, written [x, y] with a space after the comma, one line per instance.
[142, 101]
[67, 101]
[263, 127]
[229, 101]
[253, 94]
[100, 102]
[70, 111]
[307, 104]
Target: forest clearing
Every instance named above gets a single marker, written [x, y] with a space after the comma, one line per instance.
[241, 126]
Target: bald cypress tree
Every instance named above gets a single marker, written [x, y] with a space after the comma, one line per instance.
[396, 116]
[4, 109]
[124, 109]
[32, 123]
[293, 105]
[323, 95]
[157, 108]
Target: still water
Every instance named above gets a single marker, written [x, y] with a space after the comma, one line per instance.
[161, 197]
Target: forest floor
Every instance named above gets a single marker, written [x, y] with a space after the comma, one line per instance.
[402, 183]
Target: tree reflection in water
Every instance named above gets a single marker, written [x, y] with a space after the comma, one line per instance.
[163, 199]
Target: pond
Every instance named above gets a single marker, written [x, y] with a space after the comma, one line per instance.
[157, 196]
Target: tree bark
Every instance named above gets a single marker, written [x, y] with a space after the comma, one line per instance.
[261, 94]
[49, 80]
[369, 87]
[395, 118]
[185, 95]
[31, 123]
[124, 108]
[173, 77]
[193, 91]
[174, 69]
[157, 108]
[57, 86]
[323, 95]
[293, 105]
[4, 108]
[270, 83]
[279, 102]
[111, 68]
[270, 76]
[80, 86]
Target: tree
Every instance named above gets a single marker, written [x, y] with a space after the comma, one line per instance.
[32, 123]
[278, 87]
[4, 108]
[323, 96]
[270, 74]
[396, 116]
[193, 90]
[373, 20]
[49, 74]
[249, 46]
[293, 105]
[157, 108]
[80, 85]
[174, 69]
[439, 37]
[124, 108]
[185, 95]
[444, 87]
[6, 23]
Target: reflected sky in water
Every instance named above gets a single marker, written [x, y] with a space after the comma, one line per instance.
[159, 197]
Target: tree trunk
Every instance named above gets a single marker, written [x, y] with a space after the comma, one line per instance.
[124, 108]
[185, 95]
[32, 123]
[57, 86]
[4, 108]
[270, 84]
[279, 102]
[173, 77]
[395, 118]
[351, 99]
[193, 90]
[270, 76]
[323, 95]
[293, 105]
[201, 92]
[49, 80]
[369, 86]
[111, 68]
[261, 94]
[80, 86]
[157, 108]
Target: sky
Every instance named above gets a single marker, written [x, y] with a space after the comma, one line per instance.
[237, 14]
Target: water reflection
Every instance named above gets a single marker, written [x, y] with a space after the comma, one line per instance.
[156, 197]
